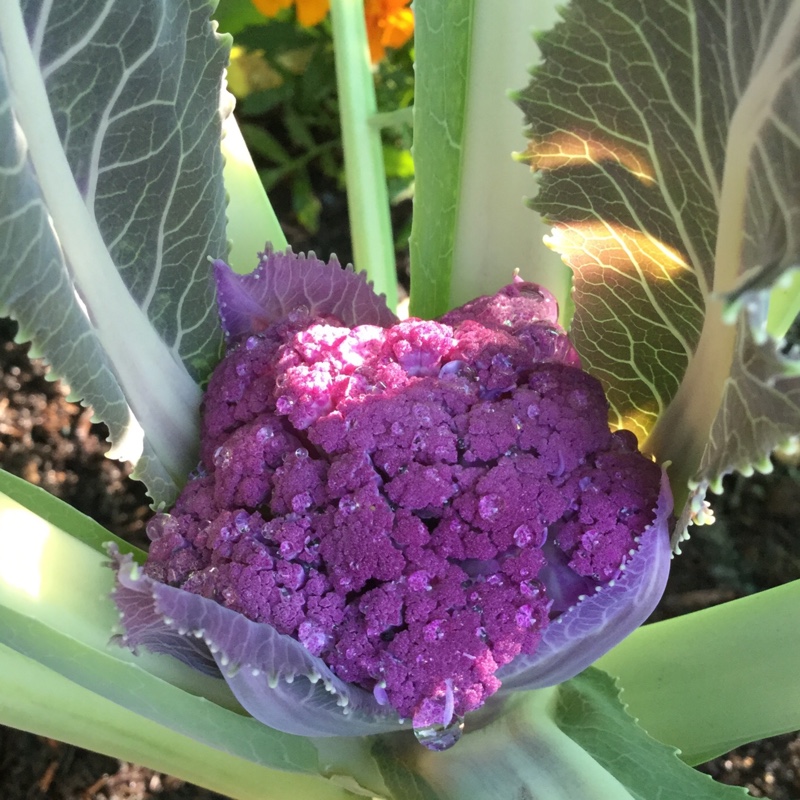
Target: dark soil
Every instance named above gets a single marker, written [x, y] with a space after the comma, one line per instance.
[50, 442]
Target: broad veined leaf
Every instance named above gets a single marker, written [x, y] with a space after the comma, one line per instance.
[111, 200]
[668, 141]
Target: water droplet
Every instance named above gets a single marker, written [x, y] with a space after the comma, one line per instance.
[397, 428]
[284, 405]
[532, 589]
[241, 369]
[517, 423]
[251, 343]
[501, 361]
[625, 440]
[440, 737]
[347, 505]
[242, 522]
[533, 410]
[522, 535]
[264, 434]
[300, 502]
[299, 313]
[301, 452]
[488, 506]
[458, 369]
[222, 457]
[422, 414]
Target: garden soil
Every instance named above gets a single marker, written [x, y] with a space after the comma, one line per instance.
[754, 545]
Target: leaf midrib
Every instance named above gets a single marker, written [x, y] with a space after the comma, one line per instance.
[161, 395]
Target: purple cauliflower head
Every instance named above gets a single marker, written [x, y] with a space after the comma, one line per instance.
[408, 517]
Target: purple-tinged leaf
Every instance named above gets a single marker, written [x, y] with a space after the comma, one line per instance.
[597, 623]
[272, 675]
[285, 282]
[135, 596]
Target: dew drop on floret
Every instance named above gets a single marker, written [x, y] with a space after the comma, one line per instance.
[416, 503]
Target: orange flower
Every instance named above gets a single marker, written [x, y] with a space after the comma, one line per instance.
[311, 12]
[270, 8]
[390, 23]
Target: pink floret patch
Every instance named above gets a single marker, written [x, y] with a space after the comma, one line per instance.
[392, 497]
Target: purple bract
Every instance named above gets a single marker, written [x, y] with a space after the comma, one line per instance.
[400, 515]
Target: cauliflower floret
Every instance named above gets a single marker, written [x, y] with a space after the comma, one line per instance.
[415, 503]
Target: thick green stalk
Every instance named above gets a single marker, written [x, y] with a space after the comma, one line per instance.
[251, 219]
[37, 699]
[496, 233]
[52, 579]
[712, 680]
[442, 43]
[60, 515]
[367, 194]
[471, 227]
[522, 753]
[569, 742]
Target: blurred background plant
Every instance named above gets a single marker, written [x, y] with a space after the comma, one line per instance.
[283, 77]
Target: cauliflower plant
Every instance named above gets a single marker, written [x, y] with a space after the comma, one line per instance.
[394, 521]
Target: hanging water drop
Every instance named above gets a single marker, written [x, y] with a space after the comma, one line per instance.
[435, 725]
[440, 737]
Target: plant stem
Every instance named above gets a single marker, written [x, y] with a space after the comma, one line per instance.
[442, 42]
[712, 680]
[388, 119]
[295, 164]
[251, 220]
[367, 194]
[784, 304]
[41, 701]
[496, 232]
[471, 226]
[61, 515]
[522, 751]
